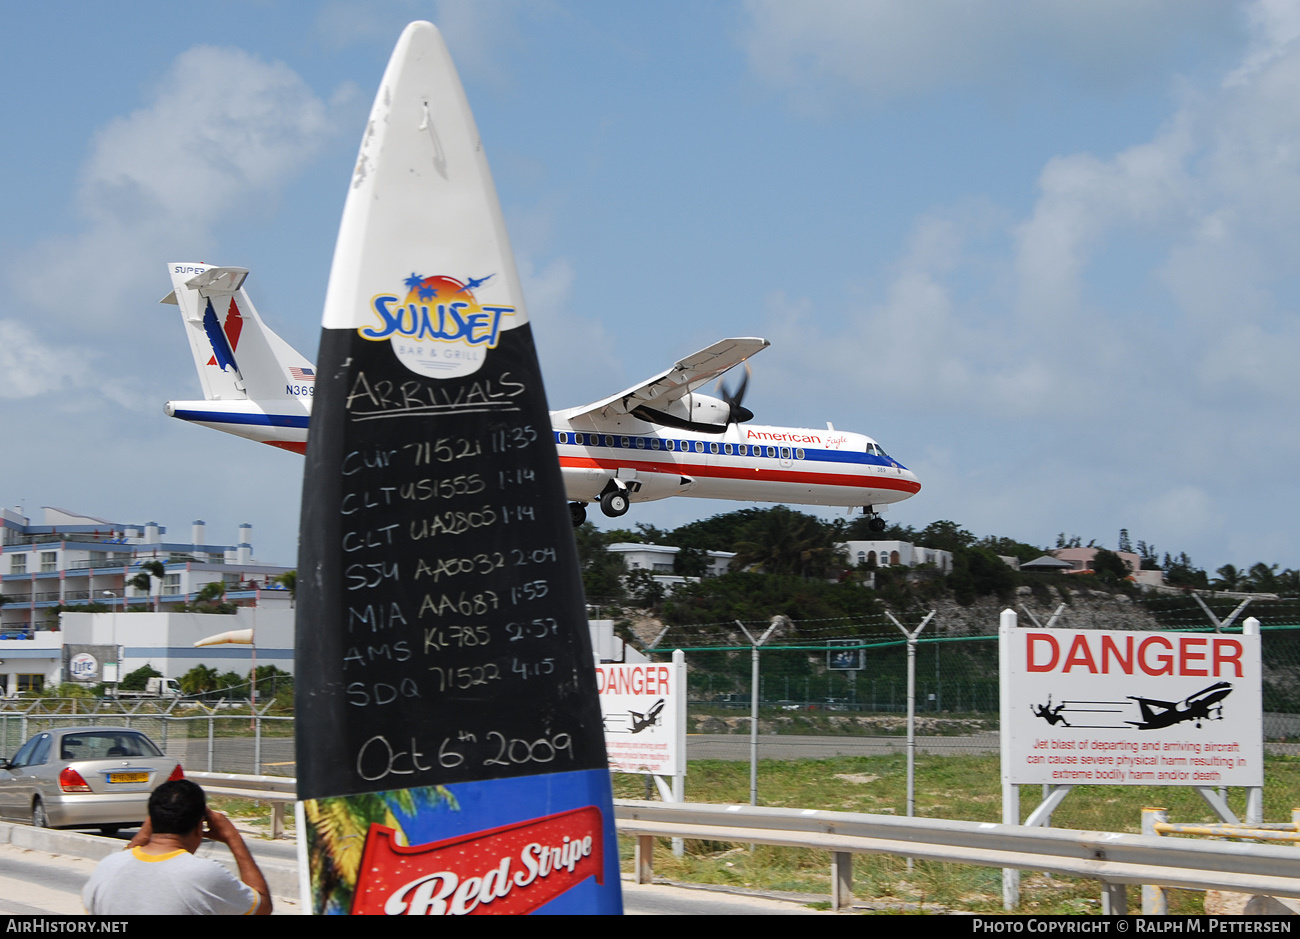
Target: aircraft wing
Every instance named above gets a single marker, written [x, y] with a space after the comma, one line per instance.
[1152, 702]
[684, 377]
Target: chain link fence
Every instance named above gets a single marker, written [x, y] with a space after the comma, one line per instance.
[211, 739]
[829, 690]
[836, 690]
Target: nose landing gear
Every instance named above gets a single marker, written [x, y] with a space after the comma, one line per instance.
[874, 521]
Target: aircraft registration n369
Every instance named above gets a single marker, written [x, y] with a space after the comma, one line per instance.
[657, 439]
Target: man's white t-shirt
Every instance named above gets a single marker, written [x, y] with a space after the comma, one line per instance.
[133, 882]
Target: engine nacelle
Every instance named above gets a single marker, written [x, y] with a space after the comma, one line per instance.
[700, 413]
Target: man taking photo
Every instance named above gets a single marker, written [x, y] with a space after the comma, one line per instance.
[158, 872]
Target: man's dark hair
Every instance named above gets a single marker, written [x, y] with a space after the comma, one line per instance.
[177, 807]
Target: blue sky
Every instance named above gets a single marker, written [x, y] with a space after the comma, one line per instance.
[1045, 252]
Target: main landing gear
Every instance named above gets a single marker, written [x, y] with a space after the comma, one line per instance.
[874, 521]
[614, 503]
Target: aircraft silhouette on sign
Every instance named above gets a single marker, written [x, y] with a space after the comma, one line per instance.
[651, 717]
[1203, 705]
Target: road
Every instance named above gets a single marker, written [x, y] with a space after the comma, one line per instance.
[44, 883]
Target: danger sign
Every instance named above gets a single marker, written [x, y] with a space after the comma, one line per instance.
[1131, 708]
[644, 708]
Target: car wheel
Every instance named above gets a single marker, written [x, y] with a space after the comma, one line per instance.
[39, 818]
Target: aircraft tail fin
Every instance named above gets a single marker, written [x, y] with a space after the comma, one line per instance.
[238, 356]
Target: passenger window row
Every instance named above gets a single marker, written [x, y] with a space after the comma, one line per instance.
[681, 446]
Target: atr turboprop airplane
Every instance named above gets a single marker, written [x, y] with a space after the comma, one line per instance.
[658, 439]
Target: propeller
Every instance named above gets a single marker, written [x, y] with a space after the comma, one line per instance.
[738, 413]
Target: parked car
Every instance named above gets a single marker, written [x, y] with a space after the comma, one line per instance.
[84, 777]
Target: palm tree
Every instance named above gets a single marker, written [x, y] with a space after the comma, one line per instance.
[1262, 578]
[199, 679]
[289, 580]
[149, 571]
[336, 834]
[783, 541]
[1229, 578]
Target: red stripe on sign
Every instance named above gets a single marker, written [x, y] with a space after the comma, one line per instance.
[512, 869]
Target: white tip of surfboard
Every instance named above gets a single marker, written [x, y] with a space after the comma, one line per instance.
[422, 224]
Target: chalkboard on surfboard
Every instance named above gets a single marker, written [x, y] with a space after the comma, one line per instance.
[449, 743]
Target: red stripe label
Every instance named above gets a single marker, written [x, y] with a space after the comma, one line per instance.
[512, 869]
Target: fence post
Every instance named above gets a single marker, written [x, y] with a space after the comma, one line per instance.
[753, 706]
[210, 719]
[1010, 792]
[1155, 902]
[841, 880]
[1254, 794]
[911, 709]
[644, 860]
[679, 743]
[1114, 899]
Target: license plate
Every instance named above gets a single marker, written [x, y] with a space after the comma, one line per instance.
[128, 777]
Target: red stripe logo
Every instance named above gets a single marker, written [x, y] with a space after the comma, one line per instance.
[508, 870]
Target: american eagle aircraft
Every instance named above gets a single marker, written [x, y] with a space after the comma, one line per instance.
[657, 439]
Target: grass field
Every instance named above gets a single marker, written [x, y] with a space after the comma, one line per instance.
[946, 787]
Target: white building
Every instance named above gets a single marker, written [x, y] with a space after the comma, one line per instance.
[76, 559]
[658, 559]
[162, 640]
[896, 554]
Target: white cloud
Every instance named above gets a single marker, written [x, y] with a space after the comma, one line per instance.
[29, 366]
[1212, 196]
[576, 353]
[223, 130]
[1273, 25]
[1138, 322]
[881, 50]
[480, 35]
[1183, 515]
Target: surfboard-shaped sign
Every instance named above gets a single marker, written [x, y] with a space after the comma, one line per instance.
[449, 744]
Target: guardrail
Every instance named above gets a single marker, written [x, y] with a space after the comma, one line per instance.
[280, 791]
[1155, 821]
[1114, 859]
